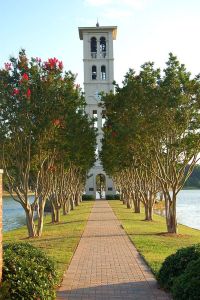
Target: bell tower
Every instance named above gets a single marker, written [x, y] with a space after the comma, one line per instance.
[98, 77]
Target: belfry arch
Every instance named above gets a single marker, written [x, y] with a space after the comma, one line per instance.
[100, 186]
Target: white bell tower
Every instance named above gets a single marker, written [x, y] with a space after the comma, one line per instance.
[98, 76]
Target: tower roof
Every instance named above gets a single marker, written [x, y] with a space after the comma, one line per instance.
[96, 29]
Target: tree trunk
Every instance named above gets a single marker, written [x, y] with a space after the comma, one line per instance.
[57, 215]
[30, 223]
[40, 216]
[53, 212]
[170, 211]
[137, 207]
[71, 203]
[68, 206]
[123, 196]
[129, 203]
[65, 208]
[136, 204]
[148, 212]
[76, 199]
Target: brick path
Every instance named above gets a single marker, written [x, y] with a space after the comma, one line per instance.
[106, 265]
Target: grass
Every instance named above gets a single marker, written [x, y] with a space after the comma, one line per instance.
[59, 241]
[150, 238]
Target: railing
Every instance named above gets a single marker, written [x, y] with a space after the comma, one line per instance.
[103, 54]
[94, 54]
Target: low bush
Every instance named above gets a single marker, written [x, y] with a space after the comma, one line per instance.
[48, 206]
[187, 285]
[175, 264]
[28, 273]
[113, 197]
[88, 197]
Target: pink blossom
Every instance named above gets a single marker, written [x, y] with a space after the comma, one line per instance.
[15, 91]
[25, 77]
[53, 63]
[7, 66]
[60, 65]
[38, 59]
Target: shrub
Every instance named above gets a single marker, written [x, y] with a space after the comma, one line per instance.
[187, 285]
[88, 197]
[113, 197]
[175, 264]
[29, 273]
[48, 206]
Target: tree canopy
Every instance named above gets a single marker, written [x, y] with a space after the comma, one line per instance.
[152, 133]
[45, 135]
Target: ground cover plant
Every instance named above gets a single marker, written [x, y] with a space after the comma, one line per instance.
[175, 264]
[186, 286]
[28, 272]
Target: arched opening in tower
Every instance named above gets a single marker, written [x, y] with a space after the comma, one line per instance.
[100, 186]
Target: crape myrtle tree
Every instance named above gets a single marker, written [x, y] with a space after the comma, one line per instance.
[74, 144]
[154, 122]
[177, 142]
[125, 129]
[35, 98]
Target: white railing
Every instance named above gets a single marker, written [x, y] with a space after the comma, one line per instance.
[94, 54]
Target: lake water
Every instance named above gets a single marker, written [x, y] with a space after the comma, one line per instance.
[13, 214]
[188, 211]
[188, 208]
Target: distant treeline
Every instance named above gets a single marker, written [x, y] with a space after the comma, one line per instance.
[194, 179]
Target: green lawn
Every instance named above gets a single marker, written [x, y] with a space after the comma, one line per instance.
[150, 238]
[59, 241]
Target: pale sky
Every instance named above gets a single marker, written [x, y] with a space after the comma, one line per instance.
[147, 31]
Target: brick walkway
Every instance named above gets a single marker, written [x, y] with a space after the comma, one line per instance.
[106, 265]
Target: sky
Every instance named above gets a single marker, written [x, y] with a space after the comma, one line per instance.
[147, 31]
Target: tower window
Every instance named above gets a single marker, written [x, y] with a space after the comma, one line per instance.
[103, 46]
[94, 72]
[103, 72]
[93, 47]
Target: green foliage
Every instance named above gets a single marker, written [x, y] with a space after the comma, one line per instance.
[194, 180]
[152, 133]
[88, 197]
[48, 206]
[44, 133]
[4, 291]
[187, 285]
[113, 197]
[58, 242]
[175, 264]
[29, 273]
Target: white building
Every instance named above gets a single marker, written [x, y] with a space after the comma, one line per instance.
[98, 76]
